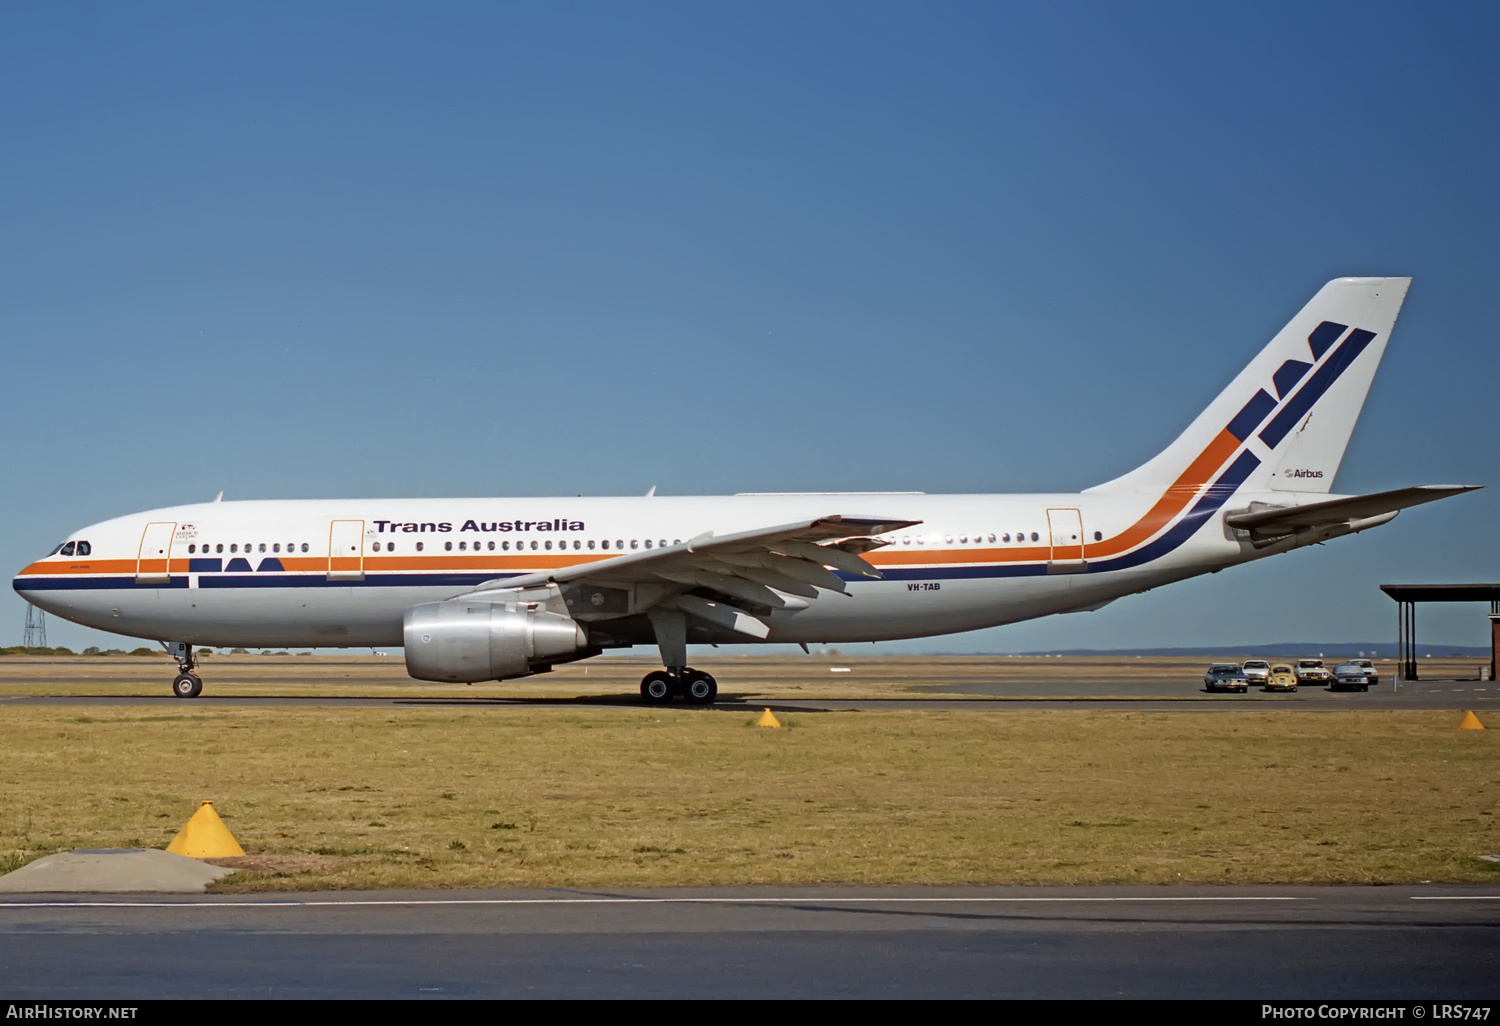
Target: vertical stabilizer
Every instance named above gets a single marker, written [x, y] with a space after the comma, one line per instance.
[1291, 411]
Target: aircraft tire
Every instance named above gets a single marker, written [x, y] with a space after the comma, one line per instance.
[656, 687]
[187, 685]
[702, 689]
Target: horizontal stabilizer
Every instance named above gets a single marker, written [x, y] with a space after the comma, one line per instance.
[1263, 521]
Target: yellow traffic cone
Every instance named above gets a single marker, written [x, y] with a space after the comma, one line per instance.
[205, 837]
[1470, 722]
[768, 719]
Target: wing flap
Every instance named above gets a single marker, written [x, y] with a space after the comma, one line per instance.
[767, 568]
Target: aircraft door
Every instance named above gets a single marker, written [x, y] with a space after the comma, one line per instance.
[346, 550]
[1066, 528]
[154, 561]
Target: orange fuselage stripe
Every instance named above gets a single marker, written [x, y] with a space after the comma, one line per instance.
[1172, 502]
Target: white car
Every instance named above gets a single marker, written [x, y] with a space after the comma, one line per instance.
[1369, 667]
[1257, 670]
[1312, 671]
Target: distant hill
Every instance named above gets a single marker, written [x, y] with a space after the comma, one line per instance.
[1287, 649]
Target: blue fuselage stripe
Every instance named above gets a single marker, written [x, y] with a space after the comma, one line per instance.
[1312, 390]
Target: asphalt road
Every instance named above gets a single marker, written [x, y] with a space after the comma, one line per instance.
[1173, 695]
[1438, 944]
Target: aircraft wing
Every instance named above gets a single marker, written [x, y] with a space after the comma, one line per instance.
[762, 570]
[1276, 521]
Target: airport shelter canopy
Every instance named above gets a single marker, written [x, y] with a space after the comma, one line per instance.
[1408, 595]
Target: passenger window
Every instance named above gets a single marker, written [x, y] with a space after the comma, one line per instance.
[634, 544]
[591, 545]
[448, 546]
[662, 544]
[533, 546]
[376, 546]
[1035, 536]
[389, 547]
[220, 547]
[463, 546]
[419, 546]
[492, 546]
[234, 548]
[1098, 536]
[619, 544]
[277, 547]
[1005, 537]
[262, 547]
[604, 544]
[505, 546]
[577, 544]
[304, 546]
[648, 543]
[549, 544]
[192, 549]
[992, 539]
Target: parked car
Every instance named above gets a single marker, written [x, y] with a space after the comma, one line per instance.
[1225, 677]
[1312, 671]
[1282, 678]
[1350, 677]
[1256, 670]
[1369, 667]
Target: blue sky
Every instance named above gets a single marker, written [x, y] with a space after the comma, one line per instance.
[292, 250]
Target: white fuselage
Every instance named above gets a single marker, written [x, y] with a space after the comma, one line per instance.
[342, 573]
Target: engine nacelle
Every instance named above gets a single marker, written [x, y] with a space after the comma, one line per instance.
[470, 641]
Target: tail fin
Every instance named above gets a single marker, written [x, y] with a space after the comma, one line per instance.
[1288, 414]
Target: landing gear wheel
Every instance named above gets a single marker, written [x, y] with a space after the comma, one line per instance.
[701, 688]
[656, 687]
[187, 685]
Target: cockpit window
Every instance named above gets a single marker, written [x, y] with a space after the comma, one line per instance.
[67, 550]
[55, 550]
[84, 548]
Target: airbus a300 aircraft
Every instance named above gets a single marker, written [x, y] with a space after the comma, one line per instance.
[491, 589]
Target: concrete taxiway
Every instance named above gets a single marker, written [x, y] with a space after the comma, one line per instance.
[1166, 696]
[1437, 943]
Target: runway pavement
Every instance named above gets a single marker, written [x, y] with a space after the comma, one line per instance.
[1158, 696]
[799, 683]
[1434, 943]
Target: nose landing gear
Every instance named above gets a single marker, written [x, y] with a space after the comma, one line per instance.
[186, 684]
[660, 686]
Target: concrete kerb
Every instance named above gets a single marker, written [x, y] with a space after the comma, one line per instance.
[112, 871]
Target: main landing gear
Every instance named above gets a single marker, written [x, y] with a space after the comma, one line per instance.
[661, 686]
[186, 684]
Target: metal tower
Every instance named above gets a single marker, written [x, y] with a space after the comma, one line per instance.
[36, 628]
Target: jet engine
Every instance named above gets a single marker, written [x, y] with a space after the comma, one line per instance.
[468, 640]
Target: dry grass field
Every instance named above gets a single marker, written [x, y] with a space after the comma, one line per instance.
[450, 796]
